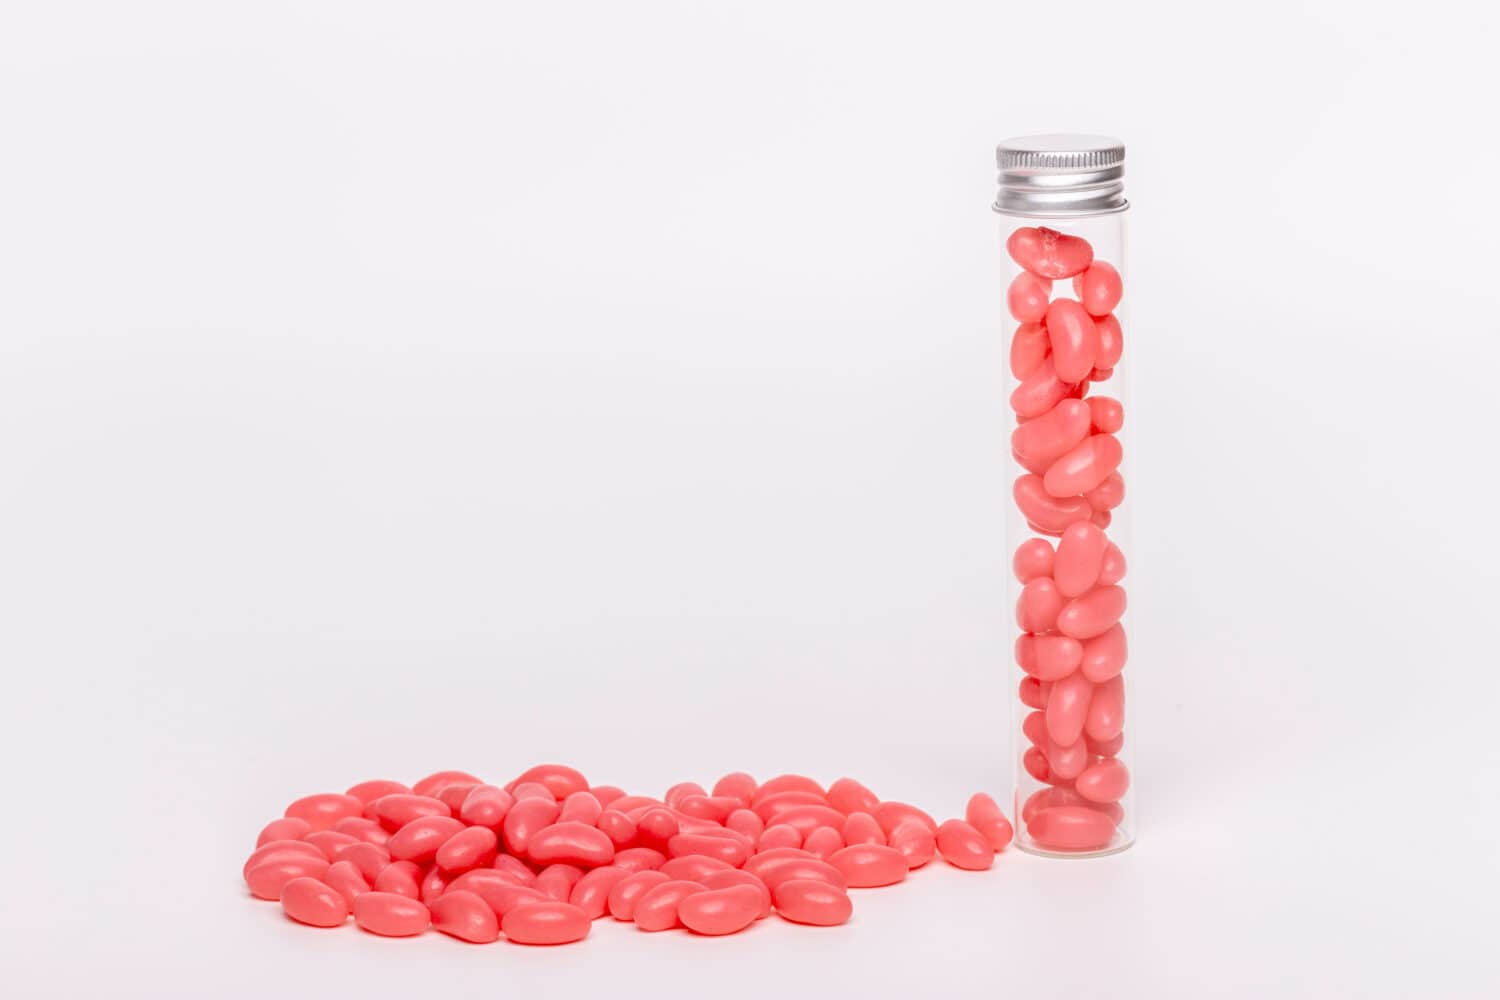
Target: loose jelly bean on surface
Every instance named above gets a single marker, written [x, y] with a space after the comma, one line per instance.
[453, 795]
[809, 867]
[639, 859]
[720, 911]
[962, 846]
[345, 879]
[1037, 443]
[606, 794]
[433, 783]
[400, 878]
[391, 915]
[1099, 288]
[1048, 514]
[1113, 569]
[1080, 556]
[420, 839]
[531, 790]
[591, 893]
[556, 881]
[732, 852]
[984, 815]
[736, 876]
[1104, 655]
[656, 826]
[868, 865]
[399, 808]
[1027, 297]
[628, 803]
[1106, 415]
[1105, 781]
[677, 792]
[715, 808]
[1083, 468]
[849, 796]
[656, 909]
[810, 901]
[1039, 391]
[544, 923]
[628, 891]
[368, 791]
[618, 827]
[571, 842]
[525, 819]
[1048, 253]
[308, 901]
[807, 818]
[737, 784]
[1092, 614]
[1111, 342]
[473, 846]
[363, 829]
[861, 828]
[823, 842]
[779, 835]
[559, 779]
[763, 859]
[285, 828]
[745, 822]
[368, 858]
[890, 814]
[1033, 558]
[1037, 608]
[1071, 828]
[464, 915]
[580, 807]
[516, 868]
[1067, 707]
[499, 895]
[788, 783]
[330, 842]
[693, 867]
[1074, 340]
[320, 812]
[768, 807]
[268, 877]
[280, 848]
[1029, 347]
[1106, 717]
[433, 885]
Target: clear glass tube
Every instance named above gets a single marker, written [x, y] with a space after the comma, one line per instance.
[1068, 529]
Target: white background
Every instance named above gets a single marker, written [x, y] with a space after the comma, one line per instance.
[395, 387]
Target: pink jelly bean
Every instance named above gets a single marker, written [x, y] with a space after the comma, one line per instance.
[1033, 558]
[1083, 468]
[1111, 343]
[737, 785]
[572, 843]
[779, 835]
[868, 865]
[861, 828]
[916, 843]
[363, 829]
[1033, 692]
[580, 807]
[468, 848]
[1038, 606]
[745, 822]
[546, 923]
[849, 796]
[890, 814]
[606, 794]
[308, 901]
[453, 795]
[278, 849]
[619, 828]
[465, 916]
[639, 859]
[1074, 340]
[345, 879]
[628, 891]
[391, 915]
[1106, 717]
[809, 901]
[1104, 748]
[1104, 781]
[400, 878]
[286, 828]
[556, 881]
[1048, 253]
[1106, 415]
[1107, 495]
[433, 885]
[984, 815]
[1112, 570]
[1034, 728]
[807, 818]
[320, 812]
[370, 859]
[525, 819]
[715, 808]
[486, 805]
[1029, 347]
[787, 783]
[398, 809]
[1067, 706]
[1092, 614]
[823, 842]
[693, 867]
[1049, 514]
[531, 790]
[1067, 760]
[267, 878]
[420, 839]
[368, 791]
[1034, 760]
[628, 804]
[784, 868]
[1071, 828]
[1104, 655]
[515, 867]
[962, 846]
[677, 792]
[330, 842]
[1048, 657]
[1039, 391]
[1037, 443]
[1027, 297]
[1099, 288]
[559, 779]
[1048, 798]
[736, 876]
[720, 911]
[732, 852]
[499, 894]
[591, 893]
[767, 807]
[656, 826]
[656, 909]
[1080, 556]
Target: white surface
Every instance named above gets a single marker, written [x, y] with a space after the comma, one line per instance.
[388, 388]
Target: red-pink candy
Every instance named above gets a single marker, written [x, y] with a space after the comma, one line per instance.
[787, 783]
[1107, 495]
[983, 814]
[1104, 655]
[1034, 728]
[1102, 518]
[1038, 605]
[399, 808]
[1104, 781]
[1039, 391]
[628, 891]
[420, 839]
[1029, 347]
[361, 828]
[708, 807]
[765, 858]
[1048, 514]
[368, 858]
[606, 794]
[268, 877]
[368, 791]
[571, 842]
[1033, 692]
[1099, 288]
[1092, 614]
[557, 881]
[962, 846]
[330, 842]
[868, 865]
[733, 852]
[400, 878]
[738, 785]
[618, 827]
[746, 823]
[580, 807]
[1066, 760]
[591, 893]
[1084, 467]
[656, 826]
[285, 828]
[1048, 657]
[486, 805]
[498, 892]
[1034, 760]
[1027, 297]
[677, 792]
[812, 901]
[890, 814]
[345, 879]
[692, 824]
[531, 790]
[1074, 340]
[738, 876]
[308, 901]
[693, 867]
[434, 782]
[720, 911]
[1106, 716]
[454, 795]
[861, 828]
[1113, 568]
[769, 806]
[1048, 253]
[1067, 706]
[434, 884]
[1111, 344]
[1104, 748]
[1080, 556]
[559, 779]
[779, 835]
[639, 859]
[1033, 558]
[1106, 415]
[277, 849]
[807, 818]
[1071, 828]
[1039, 442]
[468, 848]
[823, 842]
[320, 812]
[656, 909]
[525, 819]
[515, 867]
[628, 804]
[466, 916]
[809, 867]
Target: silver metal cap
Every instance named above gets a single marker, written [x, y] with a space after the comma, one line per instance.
[1057, 176]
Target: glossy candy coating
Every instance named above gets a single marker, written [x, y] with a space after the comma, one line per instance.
[391, 915]
[1048, 253]
[963, 846]
[811, 901]
[308, 901]
[720, 911]
[546, 922]
[466, 916]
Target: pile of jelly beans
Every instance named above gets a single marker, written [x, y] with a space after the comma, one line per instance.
[1072, 645]
[541, 858]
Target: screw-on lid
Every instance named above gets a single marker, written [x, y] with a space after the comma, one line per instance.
[1050, 176]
